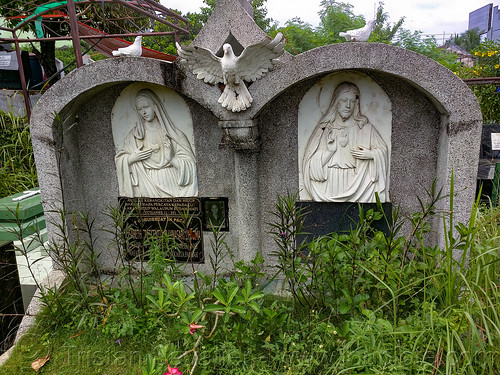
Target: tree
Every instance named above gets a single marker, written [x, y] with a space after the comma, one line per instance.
[300, 36]
[468, 40]
[487, 64]
[259, 14]
[198, 19]
[337, 17]
[426, 46]
[383, 31]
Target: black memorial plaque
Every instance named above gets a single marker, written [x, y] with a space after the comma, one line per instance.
[178, 218]
[324, 218]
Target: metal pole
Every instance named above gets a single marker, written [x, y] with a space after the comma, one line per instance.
[74, 33]
[495, 191]
[26, 94]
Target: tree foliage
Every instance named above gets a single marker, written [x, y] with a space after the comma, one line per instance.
[384, 32]
[468, 40]
[300, 36]
[487, 64]
[415, 41]
[198, 19]
[336, 17]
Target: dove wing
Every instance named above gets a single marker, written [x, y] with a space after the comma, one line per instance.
[256, 60]
[202, 62]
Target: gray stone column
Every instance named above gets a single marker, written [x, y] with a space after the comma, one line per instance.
[247, 204]
[243, 137]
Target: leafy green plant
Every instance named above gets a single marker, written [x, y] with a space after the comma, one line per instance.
[17, 163]
[366, 301]
[486, 64]
[292, 262]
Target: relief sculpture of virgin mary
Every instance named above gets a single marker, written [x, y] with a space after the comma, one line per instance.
[156, 159]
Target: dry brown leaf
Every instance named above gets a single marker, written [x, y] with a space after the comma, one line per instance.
[39, 363]
[107, 314]
[77, 334]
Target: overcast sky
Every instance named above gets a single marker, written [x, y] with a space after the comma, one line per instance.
[429, 16]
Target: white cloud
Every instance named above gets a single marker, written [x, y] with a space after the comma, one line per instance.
[430, 17]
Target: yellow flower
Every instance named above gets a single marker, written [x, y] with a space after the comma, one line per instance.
[497, 66]
[476, 72]
[477, 53]
[490, 53]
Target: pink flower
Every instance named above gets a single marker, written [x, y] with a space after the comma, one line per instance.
[193, 327]
[173, 371]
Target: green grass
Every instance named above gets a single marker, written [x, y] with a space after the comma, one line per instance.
[89, 353]
[363, 302]
[17, 163]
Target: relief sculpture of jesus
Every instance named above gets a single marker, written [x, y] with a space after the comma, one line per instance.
[345, 159]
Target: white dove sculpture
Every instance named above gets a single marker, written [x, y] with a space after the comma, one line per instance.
[135, 49]
[231, 70]
[359, 35]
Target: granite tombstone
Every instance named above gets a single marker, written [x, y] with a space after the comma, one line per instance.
[339, 123]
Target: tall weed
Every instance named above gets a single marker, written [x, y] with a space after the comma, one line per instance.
[17, 163]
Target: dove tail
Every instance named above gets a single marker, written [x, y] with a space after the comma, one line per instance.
[236, 98]
[346, 36]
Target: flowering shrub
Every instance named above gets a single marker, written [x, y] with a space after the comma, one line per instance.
[358, 302]
[487, 64]
[173, 371]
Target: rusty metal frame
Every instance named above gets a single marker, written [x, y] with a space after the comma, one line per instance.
[482, 81]
[75, 37]
[127, 4]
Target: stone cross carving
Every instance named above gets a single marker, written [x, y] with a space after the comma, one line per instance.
[231, 70]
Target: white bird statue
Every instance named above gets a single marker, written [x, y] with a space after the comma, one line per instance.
[231, 70]
[135, 49]
[359, 35]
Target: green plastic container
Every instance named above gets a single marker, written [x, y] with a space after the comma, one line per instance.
[23, 217]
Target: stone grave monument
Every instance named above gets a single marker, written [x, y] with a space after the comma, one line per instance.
[236, 121]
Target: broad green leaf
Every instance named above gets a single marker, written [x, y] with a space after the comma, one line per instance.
[217, 294]
[344, 307]
[213, 307]
[239, 309]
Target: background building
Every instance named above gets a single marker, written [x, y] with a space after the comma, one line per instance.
[487, 20]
